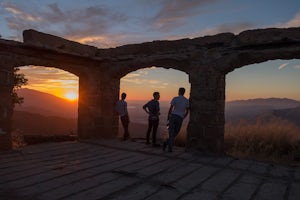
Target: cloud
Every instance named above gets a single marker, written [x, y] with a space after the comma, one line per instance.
[174, 13]
[85, 24]
[138, 81]
[297, 67]
[294, 22]
[132, 75]
[282, 66]
[46, 77]
[18, 13]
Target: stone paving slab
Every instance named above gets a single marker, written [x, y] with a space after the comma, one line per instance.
[113, 169]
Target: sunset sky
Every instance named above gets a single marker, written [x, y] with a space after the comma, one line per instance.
[112, 23]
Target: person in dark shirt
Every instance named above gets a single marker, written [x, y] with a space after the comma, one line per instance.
[153, 110]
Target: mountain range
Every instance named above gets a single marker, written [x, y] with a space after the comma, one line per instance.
[42, 113]
[251, 109]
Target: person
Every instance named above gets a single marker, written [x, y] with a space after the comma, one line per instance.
[121, 108]
[179, 109]
[153, 110]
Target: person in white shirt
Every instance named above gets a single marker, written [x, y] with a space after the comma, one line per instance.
[179, 109]
[121, 108]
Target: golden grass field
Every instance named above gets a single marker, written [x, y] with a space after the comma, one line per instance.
[275, 140]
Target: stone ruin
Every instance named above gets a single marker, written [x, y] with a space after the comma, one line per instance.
[206, 60]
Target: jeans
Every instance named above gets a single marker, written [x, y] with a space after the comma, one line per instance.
[152, 124]
[175, 123]
[125, 123]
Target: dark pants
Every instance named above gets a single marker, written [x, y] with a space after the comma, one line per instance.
[175, 123]
[152, 125]
[125, 123]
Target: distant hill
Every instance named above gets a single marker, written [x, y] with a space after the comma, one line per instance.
[36, 124]
[46, 104]
[291, 114]
[252, 108]
[43, 113]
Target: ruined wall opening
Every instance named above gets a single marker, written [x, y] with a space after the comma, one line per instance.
[262, 110]
[50, 108]
[140, 85]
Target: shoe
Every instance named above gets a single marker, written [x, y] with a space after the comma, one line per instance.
[164, 146]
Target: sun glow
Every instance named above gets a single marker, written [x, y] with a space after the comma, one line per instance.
[72, 96]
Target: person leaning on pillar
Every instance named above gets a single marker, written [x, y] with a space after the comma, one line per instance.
[121, 108]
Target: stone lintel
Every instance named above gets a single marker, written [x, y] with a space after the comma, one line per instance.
[56, 43]
[268, 36]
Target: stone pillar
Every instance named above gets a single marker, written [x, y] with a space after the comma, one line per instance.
[206, 125]
[6, 107]
[98, 93]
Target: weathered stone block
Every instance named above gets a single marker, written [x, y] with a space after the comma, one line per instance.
[270, 35]
[48, 41]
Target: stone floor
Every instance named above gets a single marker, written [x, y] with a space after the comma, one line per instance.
[112, 169]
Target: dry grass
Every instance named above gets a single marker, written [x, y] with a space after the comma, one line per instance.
[276, 140]
[19, 140]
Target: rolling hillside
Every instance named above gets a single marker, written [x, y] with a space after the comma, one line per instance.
[36, 124]
[46, 104]
[43, 113]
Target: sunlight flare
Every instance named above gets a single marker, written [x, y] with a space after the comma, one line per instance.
[71, 96]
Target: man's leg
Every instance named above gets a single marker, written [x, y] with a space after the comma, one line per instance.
[148, 131]
[155, 126]
[125, 123]
[171, 132]
[178, 123]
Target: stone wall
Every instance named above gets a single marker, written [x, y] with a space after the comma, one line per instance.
[206, 60]
[6, 107]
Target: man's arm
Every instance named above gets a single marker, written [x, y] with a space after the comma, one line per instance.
[145, 108]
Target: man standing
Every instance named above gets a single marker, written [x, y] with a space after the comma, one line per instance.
[152, 108]
[121, 108]
[179, 109]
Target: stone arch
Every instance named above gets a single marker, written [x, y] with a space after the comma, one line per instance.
[164, 71]
[207, 60]
[167, 92]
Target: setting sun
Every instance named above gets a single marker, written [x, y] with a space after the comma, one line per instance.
[71, 96]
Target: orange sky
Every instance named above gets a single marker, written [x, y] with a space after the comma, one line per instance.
[279, 79]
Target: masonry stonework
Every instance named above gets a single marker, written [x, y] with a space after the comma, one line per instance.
[206, 60]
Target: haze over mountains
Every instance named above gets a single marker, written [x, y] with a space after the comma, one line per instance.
[251, 109]
[42, 113]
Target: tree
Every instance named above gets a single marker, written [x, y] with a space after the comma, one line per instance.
[19, 81]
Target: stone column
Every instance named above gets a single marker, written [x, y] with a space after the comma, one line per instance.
[206, 125]
[98, 93]
[6, 107]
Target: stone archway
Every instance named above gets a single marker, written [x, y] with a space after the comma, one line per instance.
[206, 60]
[140, 85]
